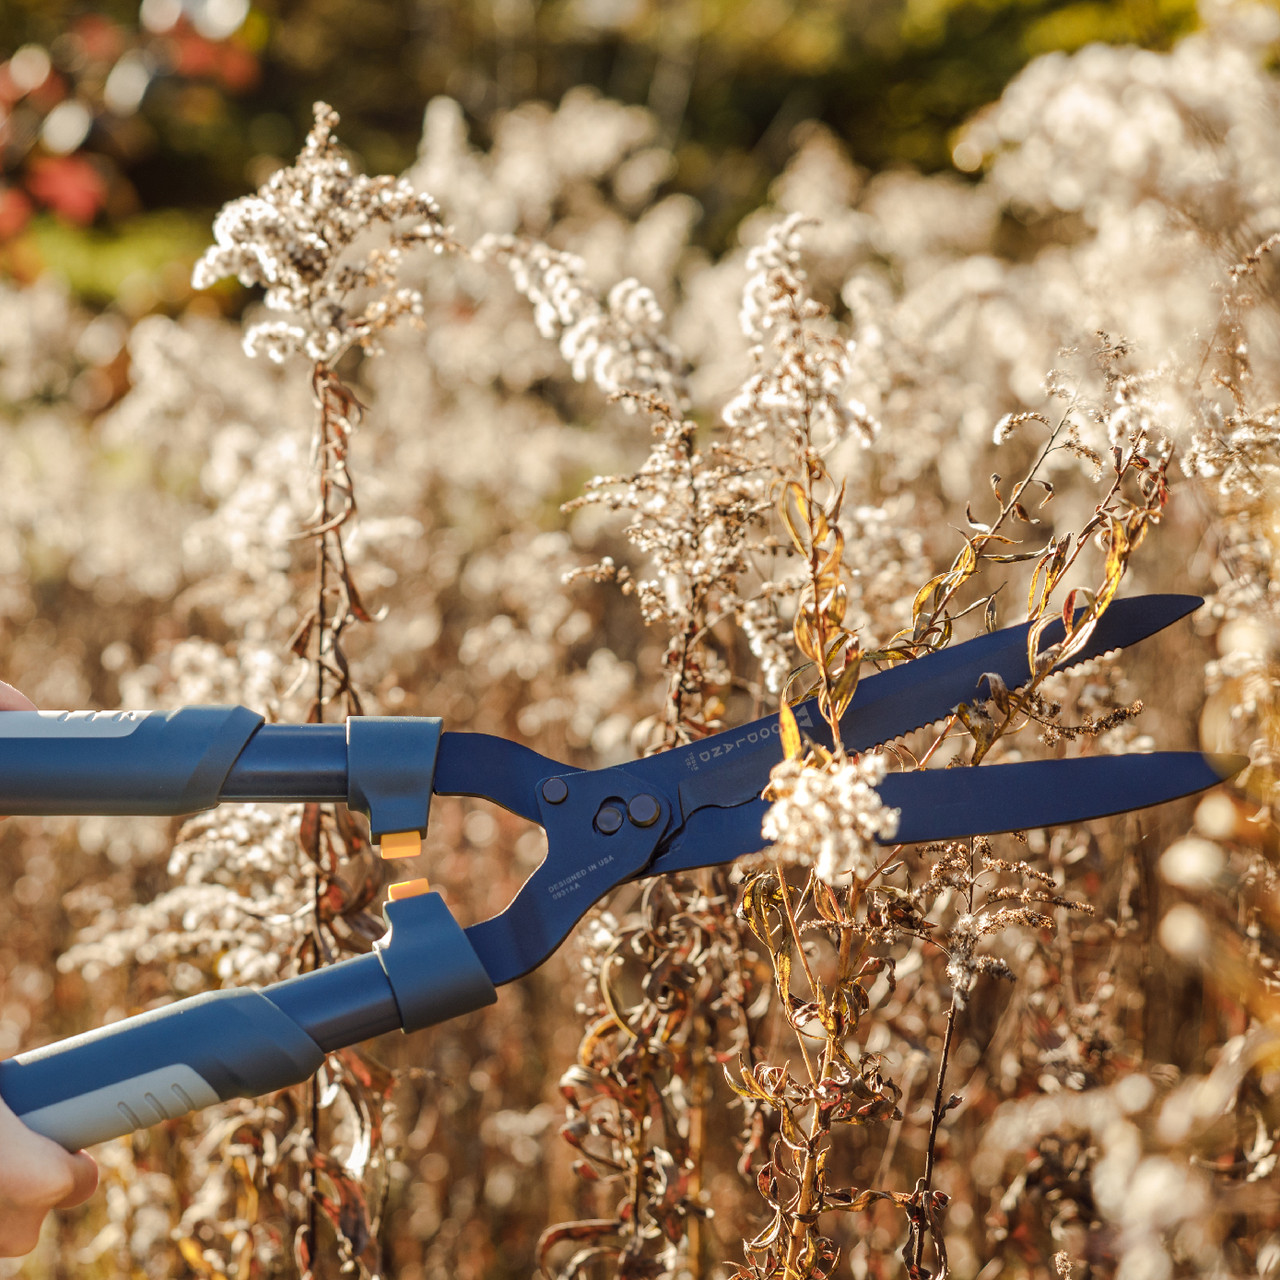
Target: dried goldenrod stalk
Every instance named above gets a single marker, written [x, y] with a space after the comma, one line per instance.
[303, 238]
[328, 246]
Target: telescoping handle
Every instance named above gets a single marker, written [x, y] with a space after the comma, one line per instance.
[180, 762]
[245, 1042]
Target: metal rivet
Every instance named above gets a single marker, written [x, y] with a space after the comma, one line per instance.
[609, 819]
[644, 811]
[555, 791]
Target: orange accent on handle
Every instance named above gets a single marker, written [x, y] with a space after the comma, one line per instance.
[400, 844]
[408, 889]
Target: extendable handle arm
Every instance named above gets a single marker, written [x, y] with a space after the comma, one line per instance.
[245, 1042]
[180, 762]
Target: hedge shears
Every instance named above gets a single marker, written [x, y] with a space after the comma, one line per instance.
[693, 806]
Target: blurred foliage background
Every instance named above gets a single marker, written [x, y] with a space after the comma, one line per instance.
[155, 479]
[147, 546]
[124, 126]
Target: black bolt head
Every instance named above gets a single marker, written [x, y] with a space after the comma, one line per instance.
[555, 790]
[644, 811]
[609, 819]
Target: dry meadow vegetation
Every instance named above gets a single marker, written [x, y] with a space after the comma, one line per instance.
[498, 443]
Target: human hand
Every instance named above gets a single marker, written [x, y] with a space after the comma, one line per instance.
[12, 700]
[36, 1175]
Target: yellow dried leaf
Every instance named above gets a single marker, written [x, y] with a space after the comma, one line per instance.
[839, 502]
[791, 744]
[791, 490]
[193, 1256]
[925, 592]
[846, 684]
[805, 633]
[989, 622]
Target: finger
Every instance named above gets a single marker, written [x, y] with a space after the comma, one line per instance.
[12, 700]
[36, 1175]
[19, 1232]
[85, 1174]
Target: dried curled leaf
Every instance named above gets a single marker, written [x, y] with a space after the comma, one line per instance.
[792, 747]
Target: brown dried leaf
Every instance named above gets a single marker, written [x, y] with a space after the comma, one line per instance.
[998, 691]
[846, 685]
[806, 633]
[796, 529]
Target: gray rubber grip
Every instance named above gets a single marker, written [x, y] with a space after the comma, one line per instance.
[116, 1109]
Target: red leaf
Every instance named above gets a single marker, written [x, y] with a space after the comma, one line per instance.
[193, 55]
[69, 185]
[15, 211]
[1069, 610]
[237, 68]
[99, 37]
[302, 1253]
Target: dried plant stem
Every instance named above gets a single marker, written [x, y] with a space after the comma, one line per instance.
[309, 1184]
[796, 941]
[335, 605]
[337, 602]
[806, 1202]
[938, 741]
[699, 1047]
[940, 1107]
[812, 468]
[1009, 507]
[939, 1110]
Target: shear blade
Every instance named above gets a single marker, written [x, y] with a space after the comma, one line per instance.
[733, 767]
[950, 804]
[946, 804]
[913, 694]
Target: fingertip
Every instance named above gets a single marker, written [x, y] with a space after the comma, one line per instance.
[19, 1234]
[12, 700]
[84, 1181]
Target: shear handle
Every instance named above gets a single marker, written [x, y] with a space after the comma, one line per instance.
[243, 1042]
[492, 768]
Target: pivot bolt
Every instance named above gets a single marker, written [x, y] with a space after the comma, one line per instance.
[555, 791]
[643, 811]
[609, 819]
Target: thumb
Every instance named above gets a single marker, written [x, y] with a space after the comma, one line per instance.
[12, 700]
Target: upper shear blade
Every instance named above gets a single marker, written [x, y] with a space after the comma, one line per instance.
[733, 767]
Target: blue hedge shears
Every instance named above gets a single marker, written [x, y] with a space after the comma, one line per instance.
[694, 806]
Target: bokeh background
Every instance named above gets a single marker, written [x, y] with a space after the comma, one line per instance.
[127, 125]
[996, 183]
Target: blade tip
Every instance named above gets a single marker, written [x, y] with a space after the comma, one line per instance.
[1225, 764]
[1173, 605]
[1187, 603]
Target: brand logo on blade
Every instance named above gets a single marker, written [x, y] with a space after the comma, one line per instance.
[753, 737]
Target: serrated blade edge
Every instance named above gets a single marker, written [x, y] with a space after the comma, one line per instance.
[731, 767]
